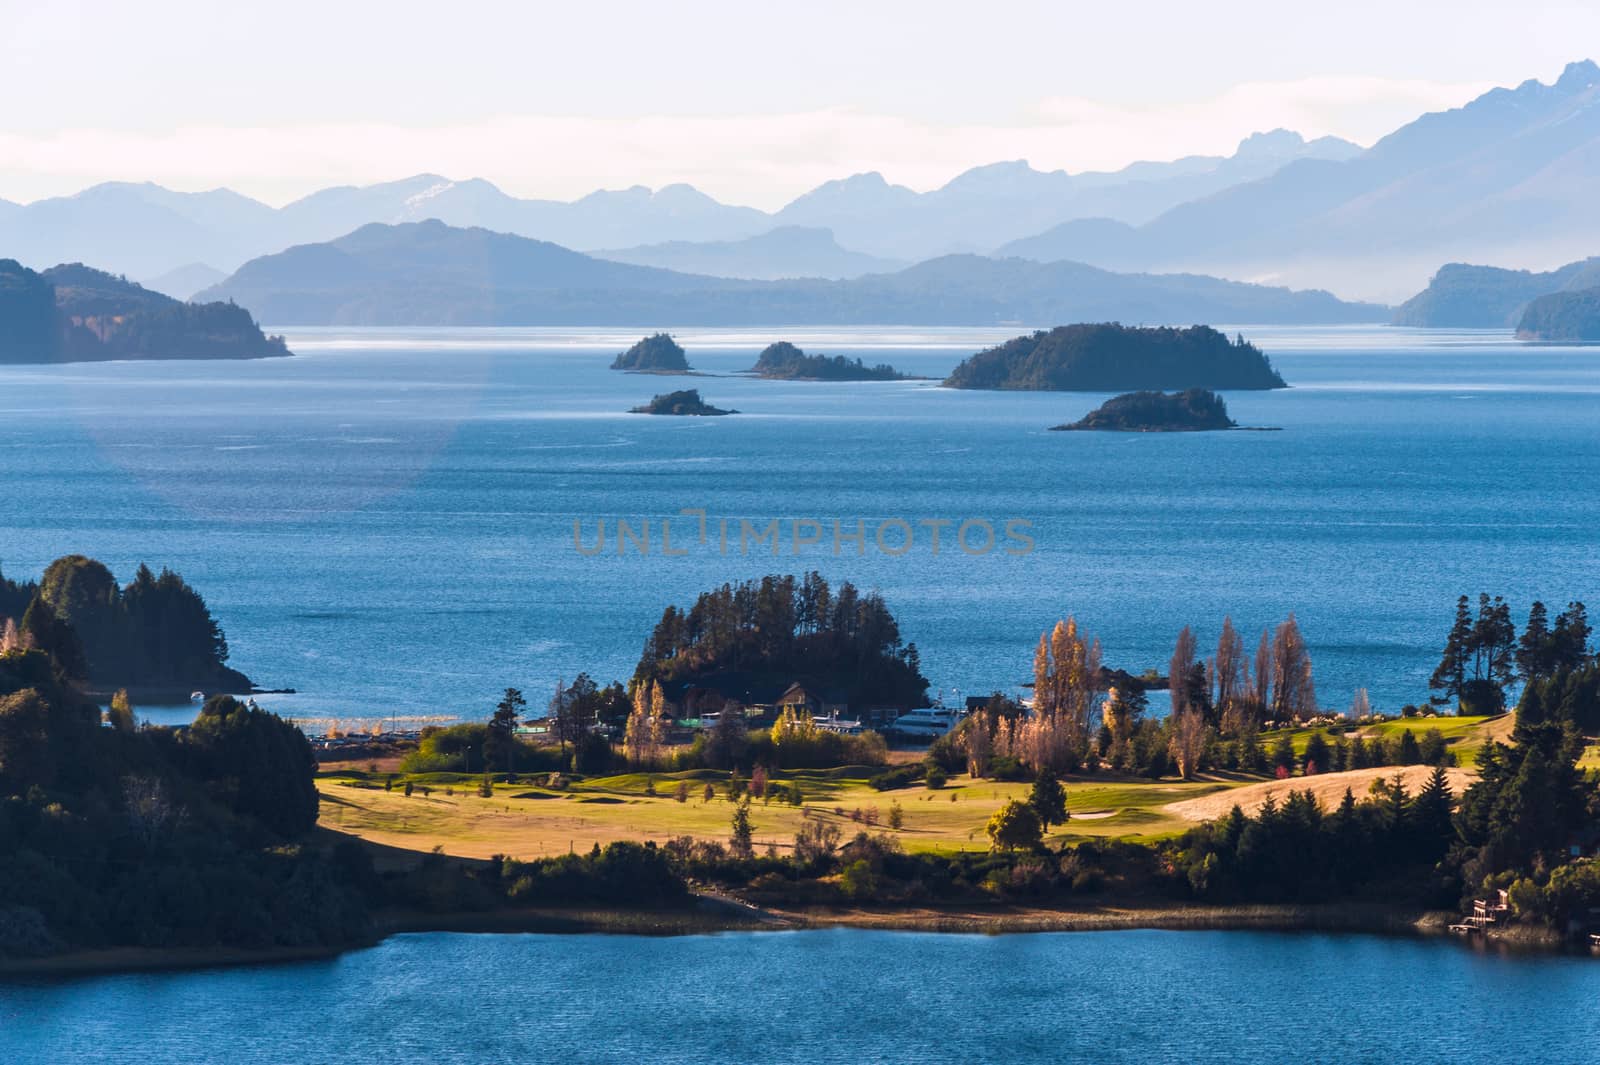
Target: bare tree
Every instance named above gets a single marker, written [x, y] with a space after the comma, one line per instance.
[1294, 696]
[1188, 741]
[1183, 655]
[1264, 670]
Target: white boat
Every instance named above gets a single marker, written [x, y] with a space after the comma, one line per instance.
[928, 722]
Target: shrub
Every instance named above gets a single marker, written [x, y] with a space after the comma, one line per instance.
[935, 777]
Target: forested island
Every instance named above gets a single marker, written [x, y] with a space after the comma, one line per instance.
[1110, 357]
[784, 361]
[658, 353]
[1563, 318]
[686, 402]
[72, 313]
[1192, 410]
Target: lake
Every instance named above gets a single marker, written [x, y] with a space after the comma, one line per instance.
[1100, 997]
[386, 522]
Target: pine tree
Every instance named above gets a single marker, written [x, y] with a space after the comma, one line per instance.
[1451, 674]
[1533, 650]
[1431, 811]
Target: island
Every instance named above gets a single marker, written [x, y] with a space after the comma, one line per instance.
[74, 313]
[784, 361]
[1190, 411]
[1110, 357]
[686, 403]
[1563, 318]
[654, 354]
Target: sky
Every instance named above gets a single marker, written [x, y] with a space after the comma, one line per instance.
[753, 103]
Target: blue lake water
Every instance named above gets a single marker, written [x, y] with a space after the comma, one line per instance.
[386, 521]
[1104, 997]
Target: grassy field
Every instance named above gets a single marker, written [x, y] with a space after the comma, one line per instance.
[527, 821]
[1463, 735]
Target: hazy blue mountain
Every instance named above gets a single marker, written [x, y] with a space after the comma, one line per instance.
[1508, 177]
[1563, 318]
[1463, 296]
[636, 215]
[788, 251]
[428, 273]
[184, 281]
[989, 205]
[136, 229]
[145, 230]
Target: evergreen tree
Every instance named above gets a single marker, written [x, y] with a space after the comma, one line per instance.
[1049, 800]
[1533, 650]
[500, 741]
[1450, 676]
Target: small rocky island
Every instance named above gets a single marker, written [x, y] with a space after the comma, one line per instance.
[784, 361]
[654, 354]
[684, 403]
[1190, 411]
[1109, 357]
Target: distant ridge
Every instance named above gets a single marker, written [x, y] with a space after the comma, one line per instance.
[1462, 296]
[428, 273]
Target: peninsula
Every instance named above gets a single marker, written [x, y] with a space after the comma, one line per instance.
[1189, 411]
[684, 403]
[784, 361]
[1563, 318]
[1110, 357]
[74, 313]
[657, 353]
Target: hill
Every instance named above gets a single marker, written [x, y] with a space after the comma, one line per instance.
[1508, 177]
[784, 252]
[428, 273]
[1462, 296]
[1116, 358]
[73, 313]
[1563, 318]
[1193, 410]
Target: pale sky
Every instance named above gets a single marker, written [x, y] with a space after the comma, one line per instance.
[751, 102]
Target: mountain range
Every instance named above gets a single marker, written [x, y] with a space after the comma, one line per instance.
[429, 273]
[1463, 296]
[146, 231]
[1507, 178]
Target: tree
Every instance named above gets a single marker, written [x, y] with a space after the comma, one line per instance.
[1317, 756]
[740, 841]
[500, 741]
[1294, 696]
[1493, 643]
[1183, 656]
[1049, 800]
[1570, 638]
[1360, 706]
[1014, 825]
[1450, 676]
[897, 816]
[120, 714]
[1230, 671]
[574, 710]
[255, 763]
[1533, 649]
[1188, 741]
[1264, 670]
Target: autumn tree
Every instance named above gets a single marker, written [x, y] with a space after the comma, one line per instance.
[1294, 696]
[1016, 824]
[1178, 669]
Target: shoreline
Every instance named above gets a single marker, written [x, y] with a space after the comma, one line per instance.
[712, 914]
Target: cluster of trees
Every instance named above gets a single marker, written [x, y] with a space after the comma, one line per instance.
[784, 627]
[1483, 656]
[154, 632]
[1109, 357]
[130, 836]
[1392, 842]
